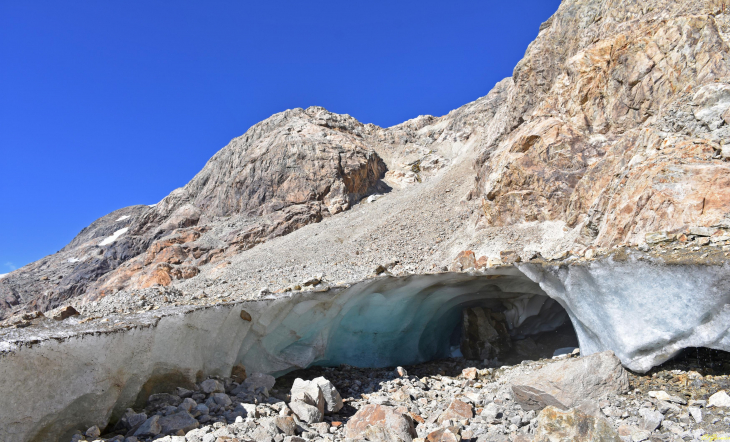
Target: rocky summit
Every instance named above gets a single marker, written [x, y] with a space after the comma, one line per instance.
[324, 279]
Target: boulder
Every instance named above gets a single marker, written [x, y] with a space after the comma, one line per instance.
[332, 399]
[150, 427]
[566, 384]
[307, 401]
[554, 424]
[380, 423]
[212, 386]
[182, 420]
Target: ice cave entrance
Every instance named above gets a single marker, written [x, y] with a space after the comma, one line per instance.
[496, 319]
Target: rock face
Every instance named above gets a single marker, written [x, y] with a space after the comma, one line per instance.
[569, 383]
[615, 124]
[484, 334]
[290, 170]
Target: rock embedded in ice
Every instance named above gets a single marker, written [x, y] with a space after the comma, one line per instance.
[572, 425]
[566, 384]
[484, 334]
[719, 399]
[380, 423]
[238, 371]
[212, 386]
[332, 398]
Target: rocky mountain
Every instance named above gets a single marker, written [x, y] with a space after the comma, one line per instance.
[583, 201]
[613, 126]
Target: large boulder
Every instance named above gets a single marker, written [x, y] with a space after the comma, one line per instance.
[566, 384]
[379, 423]
[572, 425]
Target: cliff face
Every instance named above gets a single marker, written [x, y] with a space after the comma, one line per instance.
[617, 123]
[614, 125]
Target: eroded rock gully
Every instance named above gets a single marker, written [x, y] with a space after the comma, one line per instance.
[591, 185]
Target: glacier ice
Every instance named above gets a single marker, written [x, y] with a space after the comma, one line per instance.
[68, 376]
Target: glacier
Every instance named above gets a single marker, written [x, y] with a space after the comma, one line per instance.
[59, 377]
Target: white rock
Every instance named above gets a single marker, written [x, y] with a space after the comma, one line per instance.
[719, 399]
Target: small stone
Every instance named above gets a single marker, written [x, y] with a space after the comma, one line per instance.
[640, 436]
[469, 373]
[448, 434]
[379, 423]
[188, 404]
[221, 399]
[457, 410]
[401, 372]
[212, 386]
[150, 427]
[650, 420]
[719, 399]
[664, 396]
[182, 420]
[93, 432]
[572, 425]
[246, 316]
[696, 414]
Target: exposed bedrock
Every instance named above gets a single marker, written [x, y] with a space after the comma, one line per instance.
[72, 375]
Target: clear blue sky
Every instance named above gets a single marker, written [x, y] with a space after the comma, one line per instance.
[106, 104]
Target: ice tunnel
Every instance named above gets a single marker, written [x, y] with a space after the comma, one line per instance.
[81, 373]
[403, 321]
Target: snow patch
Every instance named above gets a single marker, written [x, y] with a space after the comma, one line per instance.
[110, 239]
[122, 218]
[2, 275]
[73, 260]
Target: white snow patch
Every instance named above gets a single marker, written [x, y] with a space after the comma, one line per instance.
[2, 275]
[73, 260]
[152, 205]
[110, 239]
[122, 218]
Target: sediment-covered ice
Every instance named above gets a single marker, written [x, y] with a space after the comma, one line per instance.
[646, 311]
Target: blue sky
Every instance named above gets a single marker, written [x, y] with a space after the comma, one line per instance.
[109, 104]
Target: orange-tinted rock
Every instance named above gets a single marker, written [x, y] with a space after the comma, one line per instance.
[464, 260]
[457, 410]
[65, 312]
[448, 434]
[380, 423]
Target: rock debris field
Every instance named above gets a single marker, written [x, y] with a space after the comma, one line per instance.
[567, 397]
